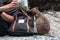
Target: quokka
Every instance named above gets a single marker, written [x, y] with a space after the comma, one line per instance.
[42, 23]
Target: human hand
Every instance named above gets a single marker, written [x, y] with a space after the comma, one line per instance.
[14, 3]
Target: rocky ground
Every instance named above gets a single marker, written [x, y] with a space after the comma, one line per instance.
[54, 34]
[54, 19]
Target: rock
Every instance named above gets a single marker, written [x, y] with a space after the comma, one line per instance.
[54, 23]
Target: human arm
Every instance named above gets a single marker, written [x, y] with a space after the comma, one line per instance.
[7, 17]
[13, 4]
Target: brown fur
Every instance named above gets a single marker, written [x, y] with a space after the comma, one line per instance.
[42, 23]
